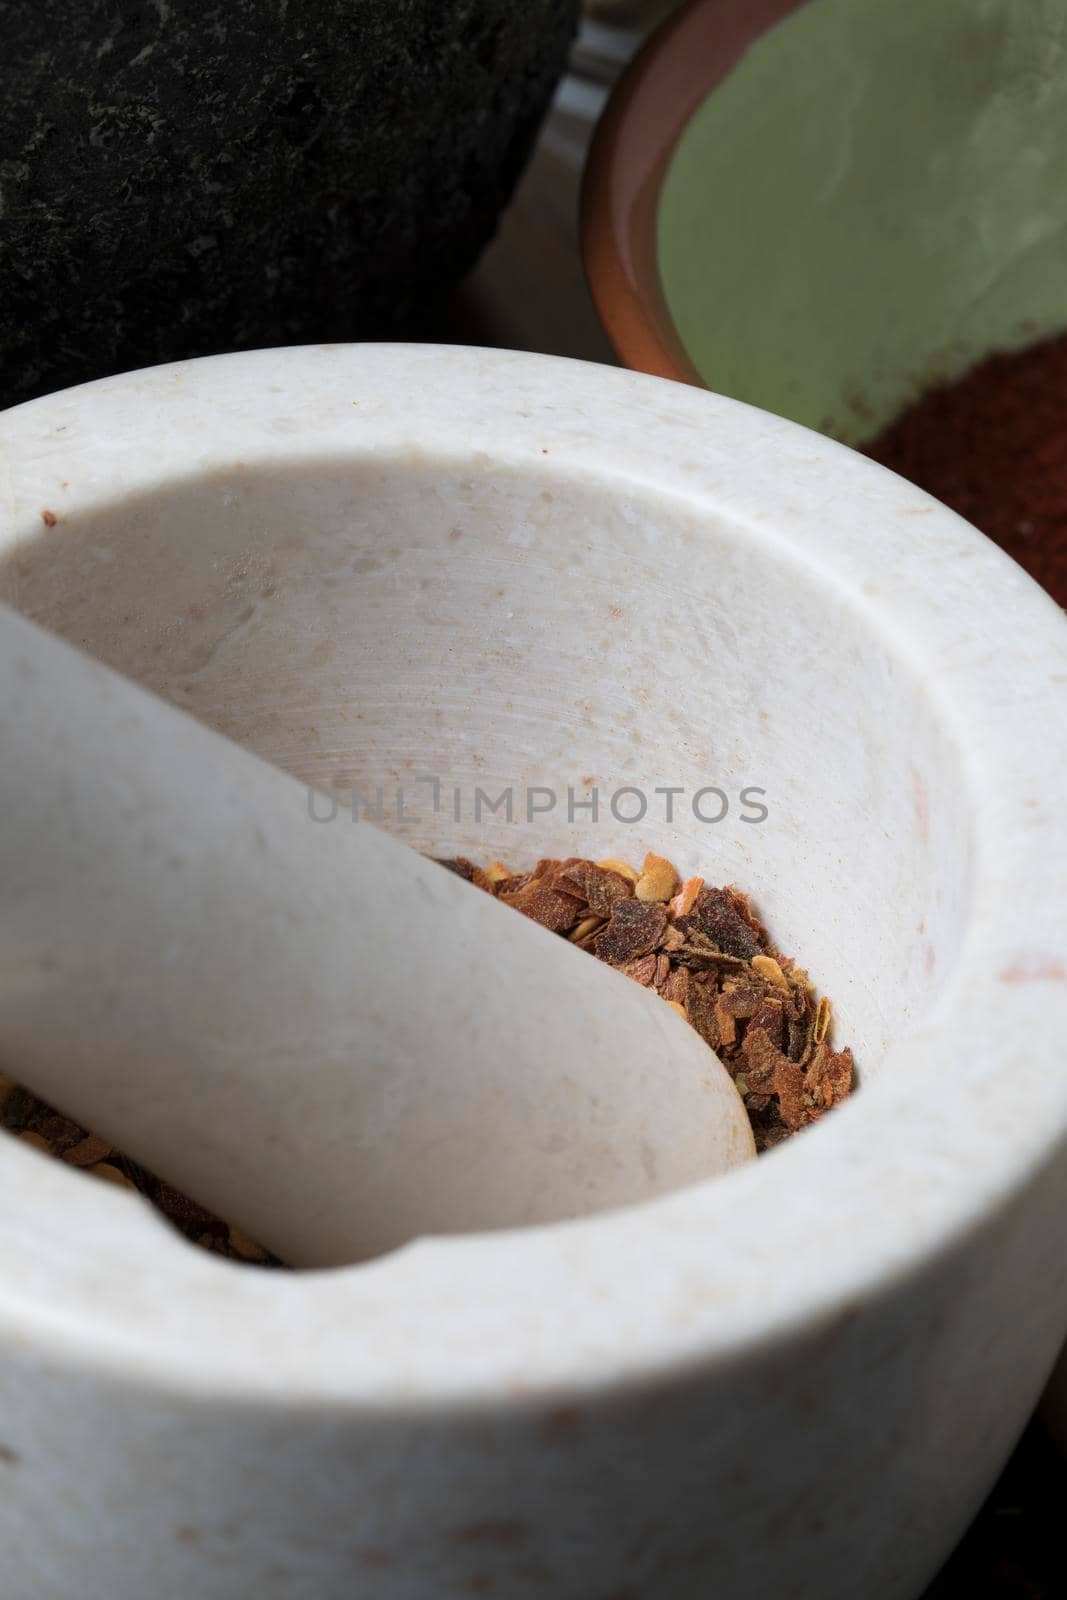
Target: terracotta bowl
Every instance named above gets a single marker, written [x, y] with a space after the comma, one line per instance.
[681, 63]
[824, 210]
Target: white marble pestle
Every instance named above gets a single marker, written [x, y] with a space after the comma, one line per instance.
[289, 1019]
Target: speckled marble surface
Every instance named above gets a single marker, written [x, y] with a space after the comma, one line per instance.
[1011, 1552]
[828, 1343]
[179, 179]
[1014, 1549]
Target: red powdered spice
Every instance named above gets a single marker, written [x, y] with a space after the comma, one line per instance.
[993, 446]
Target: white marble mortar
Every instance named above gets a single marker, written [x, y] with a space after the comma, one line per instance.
[380, 564]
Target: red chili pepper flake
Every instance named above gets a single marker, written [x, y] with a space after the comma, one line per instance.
[36, 1123]
[704, 951]
[993, 446]
[700, 948]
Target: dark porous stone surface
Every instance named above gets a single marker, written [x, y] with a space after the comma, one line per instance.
[180, 178]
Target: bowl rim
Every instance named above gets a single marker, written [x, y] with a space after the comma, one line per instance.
[664, 1288]
[647, 113]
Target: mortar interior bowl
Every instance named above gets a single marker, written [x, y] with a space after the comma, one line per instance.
[385, 564]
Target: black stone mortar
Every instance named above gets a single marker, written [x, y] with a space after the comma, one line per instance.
[178, 179]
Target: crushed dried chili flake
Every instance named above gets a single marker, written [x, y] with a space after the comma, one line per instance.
[992, 444]
[707, 954]
[37, 1124]
[701, 948]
